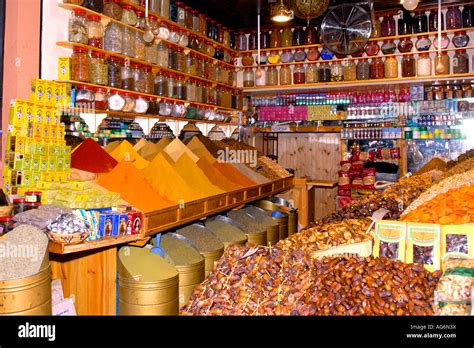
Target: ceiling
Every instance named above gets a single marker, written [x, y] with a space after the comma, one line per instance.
[242, 14]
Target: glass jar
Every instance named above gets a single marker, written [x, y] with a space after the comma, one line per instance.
[232, 39]
[226, 37]
[128, 81]
[272, 76]
[139, 83]
[274, 57]
[349, 70]
[174, 34]
[287, 56]
[202, 24]
[161, 84]
[388, 26]
[433, 20]
[376, 29]
[327, 54]
[155, 6]
[263, 59]
[453, 18]
[171, 85]
[78, 27]
[424, 65]
[311, 36]
[183, 38]
[139, 46]
[247, 59]
[172, 57]
[460, 39]
[193, 42]
[313, 54]
[80, 65]
[404, 23]
[312, 73]
[408, 66]
[444, 41]
[220, 36]
[181, 13]
[164, 109]
[168, 9]
[215, 31]
[388, 47]
[153, 23]
[128, 42]
[141, 21]
[191, 64]
[363, 69]
[336, 72]
[405, 45]
[249, 78]
[196, 23]
[300, 55]
[113, 9]
[129, 102]
[198, 92]
[219, 54]
[420, 22]
[141, 105]
[129, 16]
[442, 64]
[460, 62]
[188, 17]
[275, 38]
[177, 110]
[253, 40]
[285, 75]
[241, 41]
[162, 53]
[151, 52]
[208, 69]
[423, 43]
[180, 88]
[324, 72]
[260, 77]
[148, 78]
[163, 31]
[372, 48]
[99, 69]
[84, 94]
[265, 39]
[95, 31]
[100, 98]
[299, 74]
[190, 90]
[94, 5]
[286, 37]
[391, 67]
[468, 16]
[180, 59]
[210, 27]
[377, 69]
[115, 101]
[114, 71]
[113, 38]
[298, 36]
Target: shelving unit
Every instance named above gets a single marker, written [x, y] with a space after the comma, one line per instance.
[155, 68]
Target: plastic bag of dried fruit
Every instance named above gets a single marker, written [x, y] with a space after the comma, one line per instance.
[453, 294]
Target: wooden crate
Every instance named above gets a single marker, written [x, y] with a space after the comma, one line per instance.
[216, 203]
[191, 209]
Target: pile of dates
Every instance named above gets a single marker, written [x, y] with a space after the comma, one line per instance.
[321, 236]
[271, 281]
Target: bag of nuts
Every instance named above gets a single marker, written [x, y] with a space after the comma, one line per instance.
[424, 245]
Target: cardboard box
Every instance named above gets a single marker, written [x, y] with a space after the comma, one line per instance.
[135, 222]
[108, 224]
[123, 224]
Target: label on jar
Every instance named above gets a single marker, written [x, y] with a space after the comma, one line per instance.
[31, 198]
[280, 128]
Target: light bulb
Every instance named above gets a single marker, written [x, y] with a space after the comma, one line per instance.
[410, 5]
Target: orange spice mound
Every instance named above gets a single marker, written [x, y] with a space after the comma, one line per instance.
[454, 207]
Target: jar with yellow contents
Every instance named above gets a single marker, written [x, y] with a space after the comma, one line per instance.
[391, 67]
[349, 70]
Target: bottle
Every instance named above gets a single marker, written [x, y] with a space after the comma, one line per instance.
[433, 20]
[453, 18]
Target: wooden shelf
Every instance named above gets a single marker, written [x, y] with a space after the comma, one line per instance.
[57, 248]
[357, 58]
[169, 22]
[208, 106]
[172, 217]
[321, 183]
[356, 83]
[396, 37]
[72, 7]
[301, 129]
[155, 67]
[164, 118]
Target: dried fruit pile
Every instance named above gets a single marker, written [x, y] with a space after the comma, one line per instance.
[270, 281]
[394, 199]
[435, 163]
[460, 167]
[465, 156]
[324, 236]
[271, 169]
[453, 207]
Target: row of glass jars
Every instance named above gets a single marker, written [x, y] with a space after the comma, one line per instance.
[97, 69]
[363, 69]
[183, 15]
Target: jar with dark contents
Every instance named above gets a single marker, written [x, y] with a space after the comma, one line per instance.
[363, 69]
[128, 81]
[324, 72]
[460, 62]
[188, 20]
[286, 37]
[265, 39]
[298, 36]
[161, 84]
[113, 9]
[94, 5]
[388, 26]
[433, 20]
[404, 23]
[408, 66]
[453, 18]
[311, 36]
[253, 40]
[420, 22]
[299, 74]
[232, 39]
[202, 24]
[377, 69]
[215, 31]
[31, 206]
[275, 38]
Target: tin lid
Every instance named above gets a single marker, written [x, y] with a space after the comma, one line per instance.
[18, 200]
[6, 218]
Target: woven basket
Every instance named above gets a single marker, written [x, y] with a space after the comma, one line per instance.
[68, 238]
[6, 210]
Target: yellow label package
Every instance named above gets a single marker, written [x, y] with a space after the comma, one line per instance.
[18, 113]
[67, 162]
[38, 118]
[37, 92]
[43, 163]
[18, 144]
[60, 163]
[457, 241]
[49, 112]
[37, 130]
[30, 111]
[45, 131]
[424, 245]
[36, 176]
[27, 159]
[15, 160]
[40, 149]
[54, 150]
[52, 130]
[27, 178]
[56, 117]
[51, 163]
[61, 132]
[49, 97]
[390, 239]
[64, 70]
[57, 91]
[35, 162]
[46, 176]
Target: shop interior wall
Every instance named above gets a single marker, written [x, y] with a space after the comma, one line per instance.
[21, 52]
[316, 156]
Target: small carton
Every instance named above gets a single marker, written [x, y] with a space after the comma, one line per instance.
[49, 112]
[61, 131]
[36, 176]
[17, 113]
[18, 144]
[53, 150]
[49, 97]
[60, 163]
[27, 159]
[52, 163]
[44, 165]
[57, 91]
[37, 92]
[108, 224]
[123, 224]
[46, 176]
[135, 219]
[67, 163]
[35, 163]
[30, 111]
[53, 131]
[45, 131]
[37, 130]
[27, 178]
[424, 245]
[64, 68]
[38, 114]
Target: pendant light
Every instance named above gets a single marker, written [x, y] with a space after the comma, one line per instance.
[281, 13]
[439, 67]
